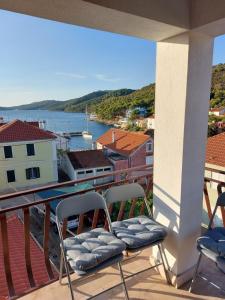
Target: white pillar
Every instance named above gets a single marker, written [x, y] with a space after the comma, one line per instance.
[183, 78]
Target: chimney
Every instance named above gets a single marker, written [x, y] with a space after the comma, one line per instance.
[113, 136]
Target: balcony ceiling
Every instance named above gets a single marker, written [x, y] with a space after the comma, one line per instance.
[150, 19]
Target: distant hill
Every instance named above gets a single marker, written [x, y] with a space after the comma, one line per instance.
[45, 104]
[72, 105]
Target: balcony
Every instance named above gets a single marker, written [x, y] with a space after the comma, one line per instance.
[184, 32]
[143, 285]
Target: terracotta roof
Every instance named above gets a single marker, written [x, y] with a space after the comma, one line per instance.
[17, 260]
[215, 150]
[125, 143]
[217, 109]
[17, 131]
[88, 159]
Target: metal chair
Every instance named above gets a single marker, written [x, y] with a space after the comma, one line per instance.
[212, 244]
[137, 232]
[88, 252]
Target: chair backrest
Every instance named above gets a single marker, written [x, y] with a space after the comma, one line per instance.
[221, 200]
[79, 204]
[124, 192]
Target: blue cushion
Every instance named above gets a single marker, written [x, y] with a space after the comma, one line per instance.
[89, 250]
[212, 244]
[139, 232]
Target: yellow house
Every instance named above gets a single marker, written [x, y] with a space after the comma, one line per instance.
[27, 156]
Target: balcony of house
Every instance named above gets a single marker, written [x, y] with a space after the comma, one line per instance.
[30, 262]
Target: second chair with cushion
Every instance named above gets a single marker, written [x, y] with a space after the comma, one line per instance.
[141, 231]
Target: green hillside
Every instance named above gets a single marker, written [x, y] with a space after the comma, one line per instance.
[217, 96]
[113, 106]
[79, 104]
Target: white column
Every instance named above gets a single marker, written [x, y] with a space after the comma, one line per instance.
[183, 78]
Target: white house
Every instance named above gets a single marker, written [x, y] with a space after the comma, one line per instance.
[151, 123]
[219, 111]
[87, 163]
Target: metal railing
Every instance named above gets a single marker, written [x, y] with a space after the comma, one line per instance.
[145, 178]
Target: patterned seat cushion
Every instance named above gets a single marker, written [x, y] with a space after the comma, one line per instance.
[212, 244]
[89, 250]
[138, 232]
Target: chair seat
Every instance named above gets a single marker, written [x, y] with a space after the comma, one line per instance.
[139, 232]
[212, 244]
[90, 250]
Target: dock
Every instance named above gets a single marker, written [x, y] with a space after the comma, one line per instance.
[71, 134]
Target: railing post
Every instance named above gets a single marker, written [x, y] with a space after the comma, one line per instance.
[6, 258]
[26, 225]
[46, 241]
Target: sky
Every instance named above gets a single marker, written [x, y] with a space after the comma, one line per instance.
[41, 59]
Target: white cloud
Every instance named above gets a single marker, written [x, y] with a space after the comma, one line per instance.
[71, 75]
[107, 78]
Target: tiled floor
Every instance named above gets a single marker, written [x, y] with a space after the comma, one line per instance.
[145, 285]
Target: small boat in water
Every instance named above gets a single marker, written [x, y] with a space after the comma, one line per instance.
[86, 133]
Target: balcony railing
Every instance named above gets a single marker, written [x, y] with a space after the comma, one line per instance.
[220, 185]
[141, 174]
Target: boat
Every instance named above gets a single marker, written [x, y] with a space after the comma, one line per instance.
[86, 133]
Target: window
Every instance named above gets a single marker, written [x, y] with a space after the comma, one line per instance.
[80, 172]
[8, 151]
[149, 147]
[33, 173]
[107, 169]
[99, 170]
[30, 150]
[89, 171]
[11, 176]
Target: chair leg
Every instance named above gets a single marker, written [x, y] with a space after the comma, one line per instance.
[68, 274]
[61, 268]
[162, 252]
[123, 281]
[196, 272]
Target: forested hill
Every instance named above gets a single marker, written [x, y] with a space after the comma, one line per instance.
[110, 103]
[114, 106]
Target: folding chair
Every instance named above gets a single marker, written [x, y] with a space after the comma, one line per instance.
[137, 232]
[212, 244]
[88, 252]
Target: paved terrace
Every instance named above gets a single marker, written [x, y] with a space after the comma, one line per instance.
[145, 285]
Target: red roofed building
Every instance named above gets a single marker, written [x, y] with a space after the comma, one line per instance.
[17, 260]
[87, 163]
[28, 156]
[218, 111]
[126, 149]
